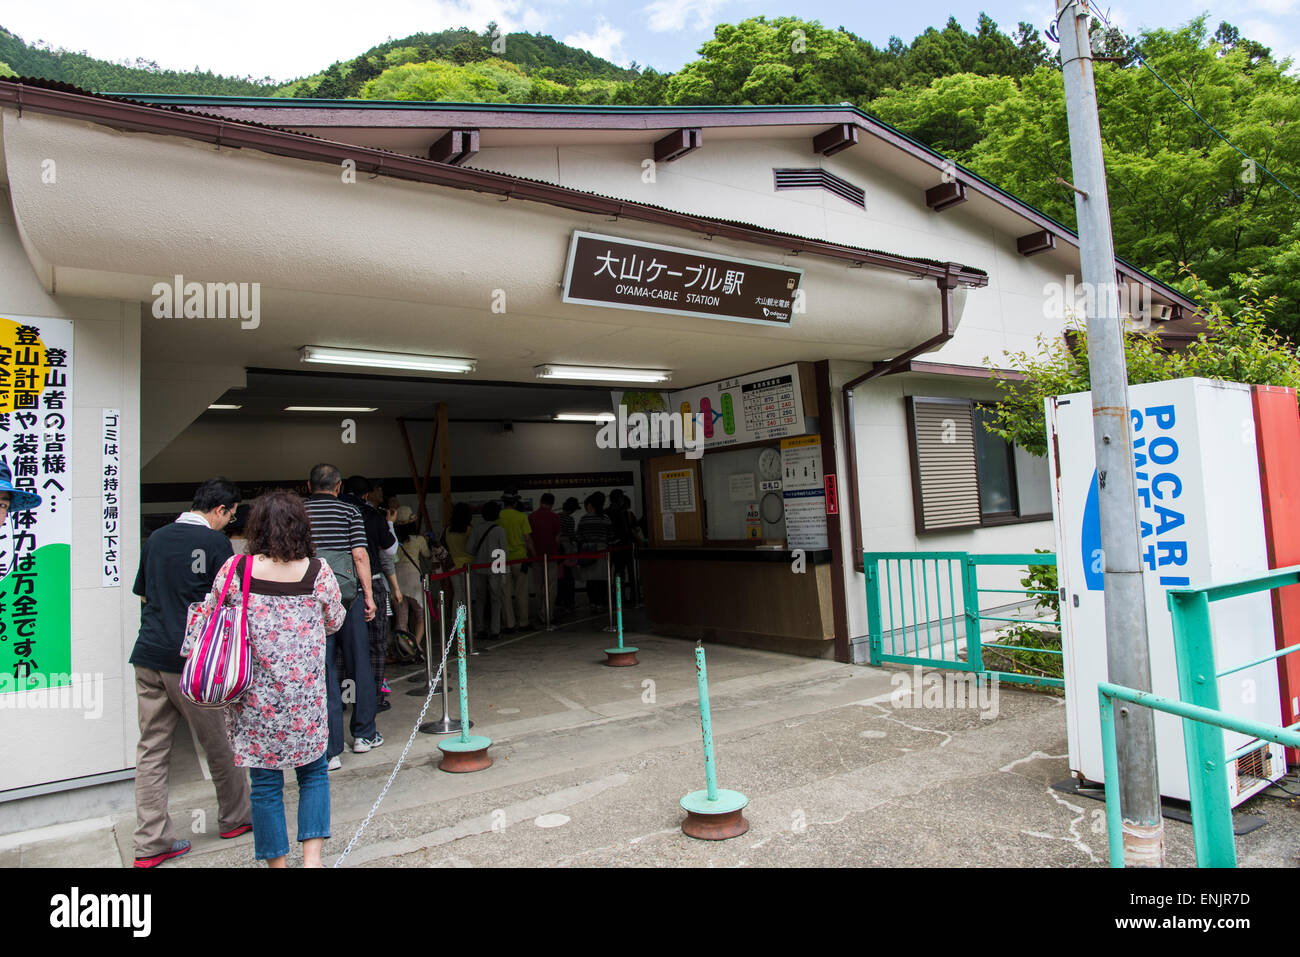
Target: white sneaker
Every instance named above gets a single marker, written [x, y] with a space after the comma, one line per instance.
[335, 763]
[362, 745]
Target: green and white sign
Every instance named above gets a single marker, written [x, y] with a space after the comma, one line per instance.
[36, 544]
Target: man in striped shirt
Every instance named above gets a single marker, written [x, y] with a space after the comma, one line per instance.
[338, 526]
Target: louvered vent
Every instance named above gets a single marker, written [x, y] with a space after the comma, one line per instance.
[943, 451]
[820, 179]
[1253, 767]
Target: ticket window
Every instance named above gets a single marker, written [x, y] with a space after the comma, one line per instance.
[742, 496]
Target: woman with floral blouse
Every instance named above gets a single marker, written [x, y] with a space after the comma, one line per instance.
[281, 722]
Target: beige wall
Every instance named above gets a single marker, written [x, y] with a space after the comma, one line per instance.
[733, 180]
[48, 745]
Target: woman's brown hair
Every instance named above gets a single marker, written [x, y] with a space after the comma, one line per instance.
[278, 526]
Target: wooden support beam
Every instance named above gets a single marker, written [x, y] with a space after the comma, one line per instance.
[428, 480]
[1031, 244]
[837, 138]
[444, 463]
[945, 195]
[677, 144]
[454, 147]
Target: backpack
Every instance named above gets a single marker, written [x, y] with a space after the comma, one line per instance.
[475, 547]
[344, 569]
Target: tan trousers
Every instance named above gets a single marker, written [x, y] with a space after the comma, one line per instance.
[160, 705]
[516, 596]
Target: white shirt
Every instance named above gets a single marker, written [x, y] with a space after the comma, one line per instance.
[192, 518]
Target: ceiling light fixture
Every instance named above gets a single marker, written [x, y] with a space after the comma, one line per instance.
[602, 374]
[584, 417]
[325, 355]
[218, 407]
[329, 408]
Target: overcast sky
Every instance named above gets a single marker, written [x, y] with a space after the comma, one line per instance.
[287, 40]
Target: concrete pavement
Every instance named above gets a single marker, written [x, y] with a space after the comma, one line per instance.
[591, 761]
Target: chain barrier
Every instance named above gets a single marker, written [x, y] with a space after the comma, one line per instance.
[409, 741]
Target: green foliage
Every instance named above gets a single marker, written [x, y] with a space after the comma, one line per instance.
[484, 81]
[949, 114]
[1178, 193]
[991, 101]
[1240, 347]
[141, 76]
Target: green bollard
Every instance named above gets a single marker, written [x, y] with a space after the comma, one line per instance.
[711, 814]
[468, 752]
[623, 656]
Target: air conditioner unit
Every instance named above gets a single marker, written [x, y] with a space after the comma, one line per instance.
[1202, 521]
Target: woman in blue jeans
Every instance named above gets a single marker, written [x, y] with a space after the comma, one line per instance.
[281, 722]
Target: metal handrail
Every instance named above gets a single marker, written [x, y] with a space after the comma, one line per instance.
[1204, 722]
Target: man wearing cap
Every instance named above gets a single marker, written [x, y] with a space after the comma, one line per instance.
[519, 544]
[177, 566]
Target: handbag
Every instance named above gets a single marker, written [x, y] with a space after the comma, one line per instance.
[219, 669]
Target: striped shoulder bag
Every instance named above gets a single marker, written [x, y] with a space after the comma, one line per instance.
[219, 668]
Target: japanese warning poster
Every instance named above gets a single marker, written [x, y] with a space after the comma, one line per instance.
[36, 544]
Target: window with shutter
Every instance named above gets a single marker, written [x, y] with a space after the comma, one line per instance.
[945, 476]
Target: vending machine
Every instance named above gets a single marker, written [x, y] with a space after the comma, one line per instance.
[1201, 518]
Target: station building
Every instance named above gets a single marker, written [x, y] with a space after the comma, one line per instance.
[186, 282]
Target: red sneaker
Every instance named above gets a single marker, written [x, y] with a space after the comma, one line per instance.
[242, 829]
[178, 848]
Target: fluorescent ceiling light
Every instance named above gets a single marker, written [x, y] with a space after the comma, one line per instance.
[217, 407]
[385, 360]
[603, 374]
[584, 416]
[328, 408]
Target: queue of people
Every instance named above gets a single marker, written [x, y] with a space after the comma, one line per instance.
[325, 573]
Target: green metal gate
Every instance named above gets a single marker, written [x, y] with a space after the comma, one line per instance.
[909, 622]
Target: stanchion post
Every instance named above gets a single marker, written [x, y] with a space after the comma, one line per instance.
[428, 632]
[446, 724]
[546, 589]
[469, 604]
[713, 814]
[609, 590]
[468, 752]
[622, 656]
[426, 607]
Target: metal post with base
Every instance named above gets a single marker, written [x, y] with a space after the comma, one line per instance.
[624, 655]
[446, 724]
[711, 814]
[609, 591]
[428, 634]
[546, 590]
[469, 751]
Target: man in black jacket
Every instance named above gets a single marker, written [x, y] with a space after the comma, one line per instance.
[177, 566]
[381, 546]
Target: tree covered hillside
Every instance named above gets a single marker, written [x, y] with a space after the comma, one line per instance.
[992, 101]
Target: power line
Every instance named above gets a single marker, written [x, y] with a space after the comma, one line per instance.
[1137, 54]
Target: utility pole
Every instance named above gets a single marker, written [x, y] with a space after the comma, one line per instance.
[1127, 651]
